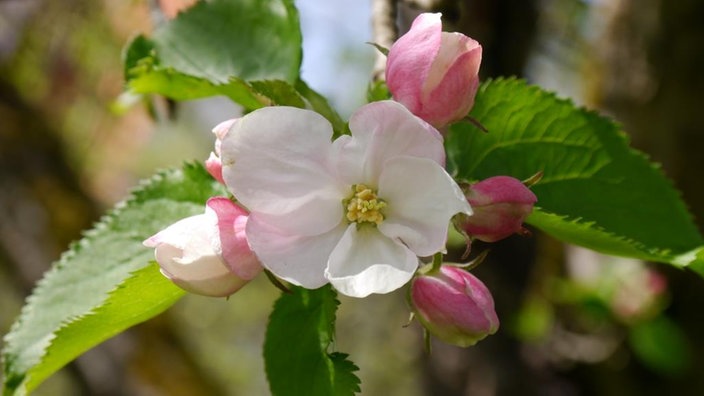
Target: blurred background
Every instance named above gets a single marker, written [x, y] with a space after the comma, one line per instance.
[573, 322]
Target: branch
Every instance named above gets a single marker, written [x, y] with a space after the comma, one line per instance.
[384, 32]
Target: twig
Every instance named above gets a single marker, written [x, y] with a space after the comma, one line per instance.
[384, 32]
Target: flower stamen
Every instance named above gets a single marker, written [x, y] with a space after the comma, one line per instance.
[364, 206]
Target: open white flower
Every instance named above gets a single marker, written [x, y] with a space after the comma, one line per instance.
[356, 212]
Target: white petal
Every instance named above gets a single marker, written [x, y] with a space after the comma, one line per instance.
[300, 260]
[186, 241]
[276, 161]
[381, 131]
[185, 254]
[421, 199]
[366, 262]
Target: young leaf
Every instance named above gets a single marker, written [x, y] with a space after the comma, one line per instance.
[178, 86]
[596, 191]
[301, 329]
[320, 104]
[377, 90]
[87, 296]
[279, 92]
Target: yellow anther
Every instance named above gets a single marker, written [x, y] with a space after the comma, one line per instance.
[364, 206]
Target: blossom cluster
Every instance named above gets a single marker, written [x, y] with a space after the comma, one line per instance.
[359, 212]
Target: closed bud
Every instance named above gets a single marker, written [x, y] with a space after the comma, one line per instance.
[454, 306]
[500, 206]
[207, 254]
[435, 74]
[213, 164]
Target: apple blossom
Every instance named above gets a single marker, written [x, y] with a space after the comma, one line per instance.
[213, 164]
[454, 306]
[434, 73]
[500, 204]
[207, 254]
[639, 296]
[356, 212]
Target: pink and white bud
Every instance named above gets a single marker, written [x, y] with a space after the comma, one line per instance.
[454, 306]
[207, 254]
[638, 294]
[500, 205]
[213, 164]
[435, 74]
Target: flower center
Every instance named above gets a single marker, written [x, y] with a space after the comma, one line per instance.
[364, 206]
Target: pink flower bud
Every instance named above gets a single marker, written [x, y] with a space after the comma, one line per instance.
[638, 294]
[207, 254]
[500, 206]
[434, 73]
[213, 164]
[454, 306]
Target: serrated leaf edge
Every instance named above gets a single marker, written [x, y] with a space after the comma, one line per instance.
[74, 248]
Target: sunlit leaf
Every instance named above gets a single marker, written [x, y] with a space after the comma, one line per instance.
[220, 39]
[596, 191]
[89, 295]
[216, 48]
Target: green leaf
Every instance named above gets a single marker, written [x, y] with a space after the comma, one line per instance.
[301, 329]
[178, 86]
[251, 96]
[279, 92]
[219, 39]
[214, 47]
[88, 296]
[377, 90]
[145, 294]
[138, 49]
[380, 48]
[596, 191]
[321, 105]
[248, 51]
[661, 345]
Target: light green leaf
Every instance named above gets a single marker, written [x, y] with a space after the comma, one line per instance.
[248, 51]
[279, 92]
[377, 90]
[87, 296]
[301, 329]
[145, 294]
[596, 191]
[220, 39]
[320, 104]
[215, 48]
[178, 86]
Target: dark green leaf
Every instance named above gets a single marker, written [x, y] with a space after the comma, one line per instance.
[301, 329]
[83, 299]
[596, 191]
[139, 48]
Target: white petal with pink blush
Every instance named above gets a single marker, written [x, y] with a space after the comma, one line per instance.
[356, 212]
